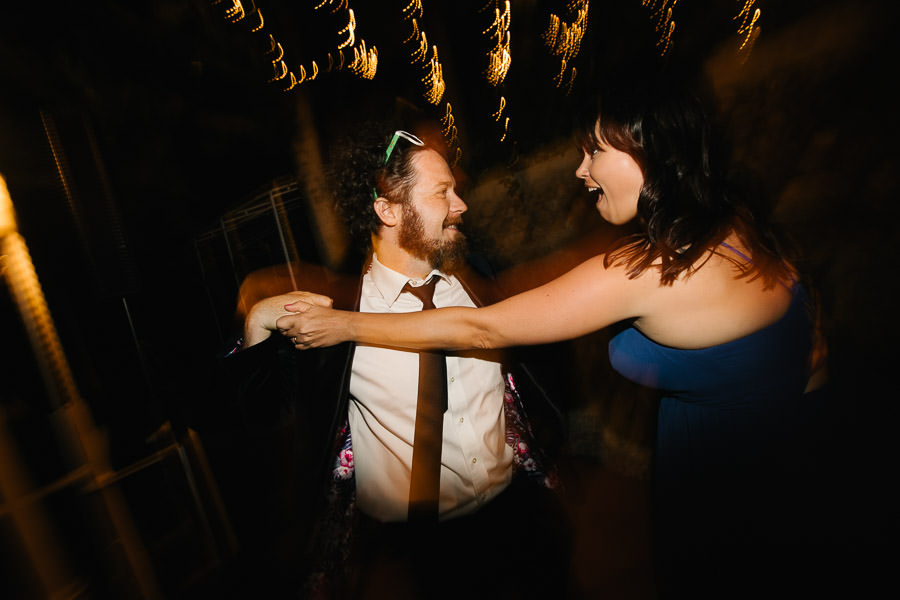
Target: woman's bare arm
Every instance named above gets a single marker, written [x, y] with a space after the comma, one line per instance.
[587, 298]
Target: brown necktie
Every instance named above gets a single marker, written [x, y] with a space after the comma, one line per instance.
[425, 484]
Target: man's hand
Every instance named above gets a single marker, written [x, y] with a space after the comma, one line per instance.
[262, 319]
[315, 325]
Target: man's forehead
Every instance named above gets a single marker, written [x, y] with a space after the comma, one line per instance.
[432, 170]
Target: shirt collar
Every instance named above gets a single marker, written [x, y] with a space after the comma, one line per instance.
[390, 283]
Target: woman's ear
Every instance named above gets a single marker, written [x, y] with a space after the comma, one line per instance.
[388, 212]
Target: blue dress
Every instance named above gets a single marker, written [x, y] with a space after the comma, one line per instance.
[729, 438]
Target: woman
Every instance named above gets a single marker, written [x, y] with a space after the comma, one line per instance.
[713, 315]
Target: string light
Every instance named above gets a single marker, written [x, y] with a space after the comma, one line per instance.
[414, 8]
[364, 64]
[571, 81]
[447, 121]
[499, 57]
[434, 79]
[421, 50]
[284, 71]
[415, 32]
[499, 111]
[273, 46]
[341, 4]
[434, 73]
[236, 12]
[261, 22]
[747, 30]
[351, 31]
[564, 39]
[661, 14]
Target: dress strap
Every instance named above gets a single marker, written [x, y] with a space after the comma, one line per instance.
[738, 252]
[750, 260]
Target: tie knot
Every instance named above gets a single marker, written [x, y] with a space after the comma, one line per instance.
[424, 292]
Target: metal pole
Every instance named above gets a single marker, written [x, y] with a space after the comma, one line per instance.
[85, 442]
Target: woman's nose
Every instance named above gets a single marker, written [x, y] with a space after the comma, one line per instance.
[582, 171]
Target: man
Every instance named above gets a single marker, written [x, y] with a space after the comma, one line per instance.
[399, 197]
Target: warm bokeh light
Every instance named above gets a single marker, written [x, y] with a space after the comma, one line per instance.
[236, 12]
[661, 14]
[433, 77]
[499, 111]
[341, 4]
[564, 38]
[748, 30]
[365, 60]
[350, 30]
[262, 21]
[414, 9]
[499, 57]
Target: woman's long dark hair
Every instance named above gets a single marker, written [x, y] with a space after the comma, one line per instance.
[691, 198]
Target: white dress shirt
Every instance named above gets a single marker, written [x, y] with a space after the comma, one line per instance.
[476, 463]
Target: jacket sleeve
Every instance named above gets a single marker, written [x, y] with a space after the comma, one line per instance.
[541, 406]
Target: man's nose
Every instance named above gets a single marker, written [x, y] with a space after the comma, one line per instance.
[457, 204]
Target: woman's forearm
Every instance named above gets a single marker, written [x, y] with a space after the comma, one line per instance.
[453, 328]
[584, 300]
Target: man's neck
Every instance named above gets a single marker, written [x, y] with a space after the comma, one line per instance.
[401, 261]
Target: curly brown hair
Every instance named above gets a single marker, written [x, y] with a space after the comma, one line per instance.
[359, 174]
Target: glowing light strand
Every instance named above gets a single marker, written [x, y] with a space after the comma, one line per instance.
[415, 33]
[563, 39]
[499, 57]
[499, 112]
[447, 121]
[748, 30]
[364, 63]
[350, 30]
[433, 78]
[341, 4]
[661, 13]
[414, 8]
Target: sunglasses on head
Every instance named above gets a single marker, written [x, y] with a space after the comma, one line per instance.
[387, 153]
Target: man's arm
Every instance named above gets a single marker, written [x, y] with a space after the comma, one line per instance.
[261, 320]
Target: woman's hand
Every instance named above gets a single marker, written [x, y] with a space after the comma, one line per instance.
[315, 325]
[262, 319]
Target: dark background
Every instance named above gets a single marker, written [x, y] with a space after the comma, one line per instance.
[168, 122]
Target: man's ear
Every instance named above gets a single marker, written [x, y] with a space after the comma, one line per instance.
[388, 212]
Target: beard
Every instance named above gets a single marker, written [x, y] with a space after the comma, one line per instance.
[447, 256]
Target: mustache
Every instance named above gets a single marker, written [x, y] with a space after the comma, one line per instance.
[453, 221]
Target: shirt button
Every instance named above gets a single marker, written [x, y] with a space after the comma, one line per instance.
[452, 379]
[460, 419]
[474, 460]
